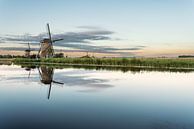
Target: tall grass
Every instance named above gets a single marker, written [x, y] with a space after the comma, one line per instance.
[126, 62]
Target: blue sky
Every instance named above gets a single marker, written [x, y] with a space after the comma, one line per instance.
[158, 25]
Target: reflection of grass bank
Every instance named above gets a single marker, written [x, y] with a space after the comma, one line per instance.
[117, 62]
[108, 68]
[6, 61]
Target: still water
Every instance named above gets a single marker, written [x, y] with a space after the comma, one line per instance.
[73, 98]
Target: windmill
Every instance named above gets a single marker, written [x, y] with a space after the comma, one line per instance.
[28, 51]
[46, 77]
[46, 48]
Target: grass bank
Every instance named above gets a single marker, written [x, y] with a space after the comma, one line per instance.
[121, 62]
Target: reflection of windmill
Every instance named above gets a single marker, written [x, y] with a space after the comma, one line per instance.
[46, 49]
[46, 74]
[28, 51]
[29, 69]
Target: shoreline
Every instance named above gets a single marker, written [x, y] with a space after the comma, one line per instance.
[95, 65]
[149, 63]
[129, 64]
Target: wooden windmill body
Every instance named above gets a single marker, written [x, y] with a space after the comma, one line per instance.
[46, 48]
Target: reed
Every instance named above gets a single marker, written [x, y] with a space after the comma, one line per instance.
[125, 62]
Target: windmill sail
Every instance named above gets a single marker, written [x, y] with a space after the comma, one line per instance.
[29, 46]
[50, 38]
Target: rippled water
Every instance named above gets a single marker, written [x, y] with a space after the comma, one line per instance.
[73, 98]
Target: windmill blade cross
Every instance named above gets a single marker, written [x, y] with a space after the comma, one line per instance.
[57, 40]
[49, 32]
[49, 92]
[39, 50]
[61, 83]
[29, 46]
[50, 38]
[29, 73]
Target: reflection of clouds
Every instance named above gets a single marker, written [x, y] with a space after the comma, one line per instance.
[11, 73]
[89, 90]
[76, 78]
[1, 77]
[23, 78]
[81, 78]
[93, 84]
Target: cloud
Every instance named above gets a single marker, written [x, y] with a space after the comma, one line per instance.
[23, 38]
[82, 41]
[102, 49]
[89, 27]
[84, 48]
[1, 41]
[84, 37]
[69, 37]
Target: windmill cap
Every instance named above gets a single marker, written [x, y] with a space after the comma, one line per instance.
[28, 50]
[45, 40]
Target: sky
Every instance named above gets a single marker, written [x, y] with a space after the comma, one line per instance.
[128, 27]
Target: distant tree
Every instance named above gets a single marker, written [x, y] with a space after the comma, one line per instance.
[59, 55]
[33, 56]
[186, 56]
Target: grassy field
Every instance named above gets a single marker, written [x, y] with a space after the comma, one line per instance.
[123, 62]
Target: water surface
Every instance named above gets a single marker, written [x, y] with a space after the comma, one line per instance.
[75, 98]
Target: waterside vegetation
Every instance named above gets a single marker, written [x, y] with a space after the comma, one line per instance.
[176, 63]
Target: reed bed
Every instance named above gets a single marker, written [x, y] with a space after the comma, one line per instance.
[125, 62]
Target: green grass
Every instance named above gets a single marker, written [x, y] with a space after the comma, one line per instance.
[124, 62]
